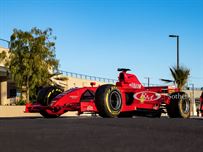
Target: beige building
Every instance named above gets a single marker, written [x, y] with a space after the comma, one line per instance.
[7, 87]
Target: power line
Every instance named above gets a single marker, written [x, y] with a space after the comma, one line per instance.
[196, 77]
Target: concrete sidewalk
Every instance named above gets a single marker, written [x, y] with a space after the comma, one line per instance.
[18, 111]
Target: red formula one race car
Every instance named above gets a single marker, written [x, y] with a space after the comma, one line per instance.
[125, 99]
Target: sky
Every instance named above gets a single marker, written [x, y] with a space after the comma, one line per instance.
[95, 37]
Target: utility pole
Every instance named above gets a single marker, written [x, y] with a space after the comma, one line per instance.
[148, 81]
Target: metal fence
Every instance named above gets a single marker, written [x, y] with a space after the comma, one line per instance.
[151, 85]
[106, 80]
[87, 77]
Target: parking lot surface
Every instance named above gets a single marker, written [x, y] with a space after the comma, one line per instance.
[82, 134]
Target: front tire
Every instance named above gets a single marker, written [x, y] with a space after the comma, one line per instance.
[45, 97]
[108, 101]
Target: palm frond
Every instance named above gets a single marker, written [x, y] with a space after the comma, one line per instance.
[167, 80]
[180, 76]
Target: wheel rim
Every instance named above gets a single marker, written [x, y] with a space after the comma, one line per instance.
[185, 105]
[115, 100]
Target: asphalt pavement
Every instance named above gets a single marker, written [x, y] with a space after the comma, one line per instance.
[81, 134]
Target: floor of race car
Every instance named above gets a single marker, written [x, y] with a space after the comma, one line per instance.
[83, 134]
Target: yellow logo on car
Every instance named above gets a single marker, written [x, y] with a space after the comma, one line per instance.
[142, 99]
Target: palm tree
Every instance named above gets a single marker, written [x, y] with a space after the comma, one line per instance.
[178, 106]
[180, 76]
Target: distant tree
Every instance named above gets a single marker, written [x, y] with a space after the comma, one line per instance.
[32, 58]
[2, 55]
[180, 76]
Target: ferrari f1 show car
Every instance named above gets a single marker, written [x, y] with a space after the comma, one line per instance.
[128, 97]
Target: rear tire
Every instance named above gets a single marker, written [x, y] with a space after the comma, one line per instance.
[108, 101]
[179, 106]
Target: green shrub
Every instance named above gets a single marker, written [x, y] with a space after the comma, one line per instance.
[21, 102]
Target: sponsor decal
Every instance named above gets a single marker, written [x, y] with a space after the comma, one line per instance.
[146, 96]
[89, 108]
[74, 97]
[135, 86]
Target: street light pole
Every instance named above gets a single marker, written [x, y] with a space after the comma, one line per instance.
[6, 41]
[177, 52]
[177, 37]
